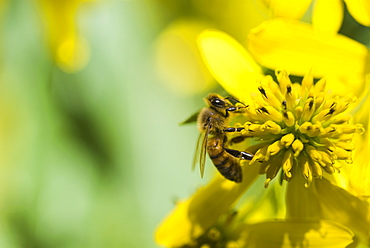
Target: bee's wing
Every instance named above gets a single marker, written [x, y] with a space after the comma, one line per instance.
[201, 151]
[197, 150]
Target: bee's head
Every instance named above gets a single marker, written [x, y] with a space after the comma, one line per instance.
[216, 101]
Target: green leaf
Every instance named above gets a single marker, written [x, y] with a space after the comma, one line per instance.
[191, 119]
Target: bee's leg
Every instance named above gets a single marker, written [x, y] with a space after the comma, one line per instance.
[239, 154]
[233, 129]
[236, 140]
[236, 109]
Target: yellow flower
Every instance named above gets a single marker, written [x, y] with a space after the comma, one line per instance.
[300, 128]
[69, 49]
[293, 122]
[314, 113]
[300, 124]
[193, 217]
[327, 15]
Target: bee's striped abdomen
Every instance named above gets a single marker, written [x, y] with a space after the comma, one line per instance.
[226, 164]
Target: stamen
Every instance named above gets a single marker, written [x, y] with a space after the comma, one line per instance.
[300, 125]
[288, 163]
[287, 140]
[263, 92]
[297, 147]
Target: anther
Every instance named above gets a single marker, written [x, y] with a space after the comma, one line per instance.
[330, 112]
[289, 89]
[284, 104]
[263, 92]
[263, 109]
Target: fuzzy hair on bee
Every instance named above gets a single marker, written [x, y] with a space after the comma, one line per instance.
[212, 124]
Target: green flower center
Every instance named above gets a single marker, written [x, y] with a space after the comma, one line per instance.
[299, 124]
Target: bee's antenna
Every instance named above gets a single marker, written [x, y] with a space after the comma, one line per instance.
[233, 100]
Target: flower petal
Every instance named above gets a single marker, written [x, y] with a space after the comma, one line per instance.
[339, 205]
[293, 9]
[328, 16]
[360, 10]
[289, 234]
[296, 47]
[231, 65]
[193, 217]
[355, 178]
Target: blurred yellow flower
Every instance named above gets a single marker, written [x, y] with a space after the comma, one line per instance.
[69, 49]
[177, 59]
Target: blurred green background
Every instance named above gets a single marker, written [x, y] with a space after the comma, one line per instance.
[92, 155]
[93, 158]
[91, 97]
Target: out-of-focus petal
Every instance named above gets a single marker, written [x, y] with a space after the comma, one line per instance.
[291, 234]
[232, 66]
[193, 217]
[237, 17]
[293, 9]
[358, 173]
[327, 16]
[296, 47]
[70, 51]
[177, 58]
[340, 206]
[360, 10]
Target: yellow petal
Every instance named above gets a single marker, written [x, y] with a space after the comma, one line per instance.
[232, 14]
[296, 47]
[293, 9]
[328, 16]
[291, 234]
[360, 10]
[338, 205]
[357, 175]
[231, 65]
[192, 217]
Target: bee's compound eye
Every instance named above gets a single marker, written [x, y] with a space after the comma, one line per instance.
[217, 102]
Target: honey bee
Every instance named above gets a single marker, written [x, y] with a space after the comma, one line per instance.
[212, 124]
